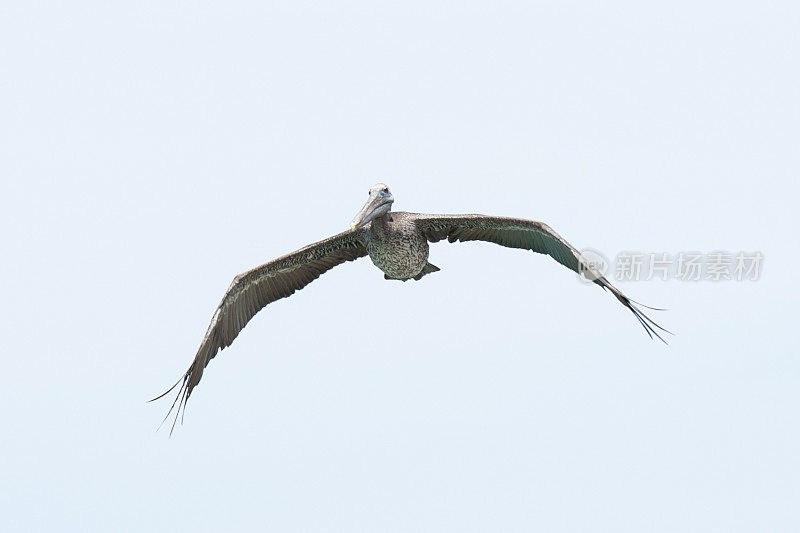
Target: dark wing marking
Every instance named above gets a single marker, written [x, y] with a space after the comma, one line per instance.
[529, 235]
[252, 290]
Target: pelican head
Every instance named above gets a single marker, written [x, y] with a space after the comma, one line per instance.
[378, 204]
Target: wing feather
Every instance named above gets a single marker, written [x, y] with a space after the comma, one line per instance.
[529, 235]
[251, 291]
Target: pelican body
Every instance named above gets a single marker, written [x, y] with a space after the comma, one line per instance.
[398, 247]
[397, 243]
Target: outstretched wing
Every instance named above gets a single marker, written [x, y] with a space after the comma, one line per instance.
[529, 235]
[252, 290]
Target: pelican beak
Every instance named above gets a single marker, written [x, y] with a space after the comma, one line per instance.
[377, 205]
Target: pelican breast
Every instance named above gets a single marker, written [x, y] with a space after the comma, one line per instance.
[397, 246]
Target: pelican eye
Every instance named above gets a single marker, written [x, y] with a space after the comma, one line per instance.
[385, 190]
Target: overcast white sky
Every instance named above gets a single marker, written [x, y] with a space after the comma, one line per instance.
[150, 151]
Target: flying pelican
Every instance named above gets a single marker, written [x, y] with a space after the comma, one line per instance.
[397, 243]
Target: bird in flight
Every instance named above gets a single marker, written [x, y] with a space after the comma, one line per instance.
[397, 243]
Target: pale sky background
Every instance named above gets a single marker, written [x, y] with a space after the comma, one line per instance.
[150, 151]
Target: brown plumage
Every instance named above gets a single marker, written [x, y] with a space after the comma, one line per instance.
[397, 243]
[529, 235]
[252, 290]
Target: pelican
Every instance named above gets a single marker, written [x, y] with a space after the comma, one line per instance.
[397, 243]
